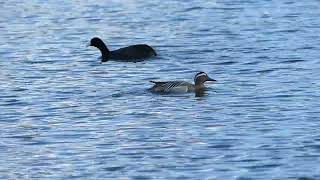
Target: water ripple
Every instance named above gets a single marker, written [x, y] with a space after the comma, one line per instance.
[66, 115]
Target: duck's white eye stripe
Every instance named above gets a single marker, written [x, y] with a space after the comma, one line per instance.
[201, 74]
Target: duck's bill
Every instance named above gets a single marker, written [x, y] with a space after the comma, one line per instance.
[88, 44]
[210, 79]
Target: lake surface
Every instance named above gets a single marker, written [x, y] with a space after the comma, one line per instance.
[65, 115]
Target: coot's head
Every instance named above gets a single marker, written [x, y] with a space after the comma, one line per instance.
[96, 42]
[202, 77]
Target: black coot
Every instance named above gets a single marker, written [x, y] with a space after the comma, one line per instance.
[133, 53]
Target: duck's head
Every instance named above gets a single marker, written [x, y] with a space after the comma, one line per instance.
[201, 78]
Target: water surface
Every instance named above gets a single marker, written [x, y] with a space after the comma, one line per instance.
[64, 115]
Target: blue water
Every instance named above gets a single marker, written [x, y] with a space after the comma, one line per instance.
[65, 115]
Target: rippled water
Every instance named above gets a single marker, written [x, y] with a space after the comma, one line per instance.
[65, 115]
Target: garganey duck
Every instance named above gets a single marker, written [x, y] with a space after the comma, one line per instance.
[181, 86]
[132, 53]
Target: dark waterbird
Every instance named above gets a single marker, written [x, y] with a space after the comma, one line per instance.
[133, 53]
[181, 86]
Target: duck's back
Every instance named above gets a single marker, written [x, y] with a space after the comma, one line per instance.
[133, 52]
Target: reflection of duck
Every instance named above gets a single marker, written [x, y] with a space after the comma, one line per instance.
[132, 53]
[182, 86]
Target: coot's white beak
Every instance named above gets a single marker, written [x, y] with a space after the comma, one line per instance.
[88, 44]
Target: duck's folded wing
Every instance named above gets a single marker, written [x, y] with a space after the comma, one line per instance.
[159, 83]
[168, 86]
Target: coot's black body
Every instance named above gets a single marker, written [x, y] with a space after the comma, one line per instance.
[132, 53]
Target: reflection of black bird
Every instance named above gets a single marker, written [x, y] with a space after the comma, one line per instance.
[182, 86]
[132, 53]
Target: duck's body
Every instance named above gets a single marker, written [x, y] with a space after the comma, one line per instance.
[133, 53]
[172, 86]
[181, 86]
